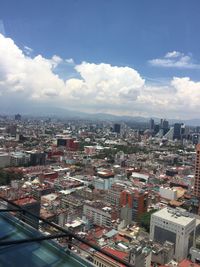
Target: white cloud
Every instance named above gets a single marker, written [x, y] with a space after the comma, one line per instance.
[100, 87]
[28, 50]
[173, 54]
[175, 59]
[20, 73]
[70, 61]
[103, 82]
[2, 28]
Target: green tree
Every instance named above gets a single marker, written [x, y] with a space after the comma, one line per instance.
[145, 218]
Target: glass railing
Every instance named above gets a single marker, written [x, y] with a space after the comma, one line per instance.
[22, 245]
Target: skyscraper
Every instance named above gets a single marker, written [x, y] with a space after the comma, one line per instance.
[177, 131]
[18, 117]
[151, 125]
[165, 126]
[117, 128]
[197, 172]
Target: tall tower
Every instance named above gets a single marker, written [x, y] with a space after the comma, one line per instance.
[197, 172]
[117, 128]
[151, 125]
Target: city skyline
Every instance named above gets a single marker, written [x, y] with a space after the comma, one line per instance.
[137, 58]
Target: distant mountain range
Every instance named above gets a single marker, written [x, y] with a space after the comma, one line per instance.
[40, 110]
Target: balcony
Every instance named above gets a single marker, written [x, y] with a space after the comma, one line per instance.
[22, 245]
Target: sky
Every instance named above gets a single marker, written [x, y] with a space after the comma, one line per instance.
[124, 57]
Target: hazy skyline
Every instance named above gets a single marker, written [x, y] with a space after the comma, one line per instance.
[119, 57]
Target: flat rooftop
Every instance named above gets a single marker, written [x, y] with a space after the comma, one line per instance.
[175, 216]
[25, 201]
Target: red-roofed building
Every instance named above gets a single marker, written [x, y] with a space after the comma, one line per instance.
[31, 205]
[104, 261]
[188, 263]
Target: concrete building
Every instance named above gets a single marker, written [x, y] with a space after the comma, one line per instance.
[103, 184]
[195, 255]
[176, 226]
[69, 143]
[140, 256]
[114, 194]
[37, 157]
[101, 260]
[98, 213]
[90, 150]
[31, 205]
[168, 193]
[162, 253]
[134, 203]
[19, 159]
[197, 172]
[140, 176]
[4, 160]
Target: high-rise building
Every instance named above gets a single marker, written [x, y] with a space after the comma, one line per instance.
[197, 172]
[37, 158]
[133, 204]
[151, 125]
[176, 226]
[113, 195]
[177, 131]
[116, 128]
[165, 126]
[156, 128]
[18, 117]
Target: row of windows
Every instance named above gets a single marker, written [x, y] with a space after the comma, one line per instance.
[100, 264]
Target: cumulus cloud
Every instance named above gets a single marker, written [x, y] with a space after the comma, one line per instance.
[175, 59]
[103, 82]
[98, 88]
[21, 73]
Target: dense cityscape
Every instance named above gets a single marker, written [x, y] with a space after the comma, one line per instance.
[99, 133]
[131, 190]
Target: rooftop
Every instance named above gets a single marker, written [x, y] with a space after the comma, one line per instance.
[178, 216]
[25, 201]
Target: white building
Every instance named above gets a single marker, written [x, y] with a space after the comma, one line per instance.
[140, 176]
[176, 226]
[4, 160]
[168, 193]
[19, 159]
[98, 213]
[103, 183]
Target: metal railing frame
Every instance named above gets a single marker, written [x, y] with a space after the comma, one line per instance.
[65, 233]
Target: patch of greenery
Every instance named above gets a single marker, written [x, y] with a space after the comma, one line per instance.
[145, 218]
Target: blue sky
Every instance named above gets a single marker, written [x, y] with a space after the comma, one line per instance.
[158, 39]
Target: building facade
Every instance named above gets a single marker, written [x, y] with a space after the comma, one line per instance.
[134, 203]
[197, 172]
[175, 226]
